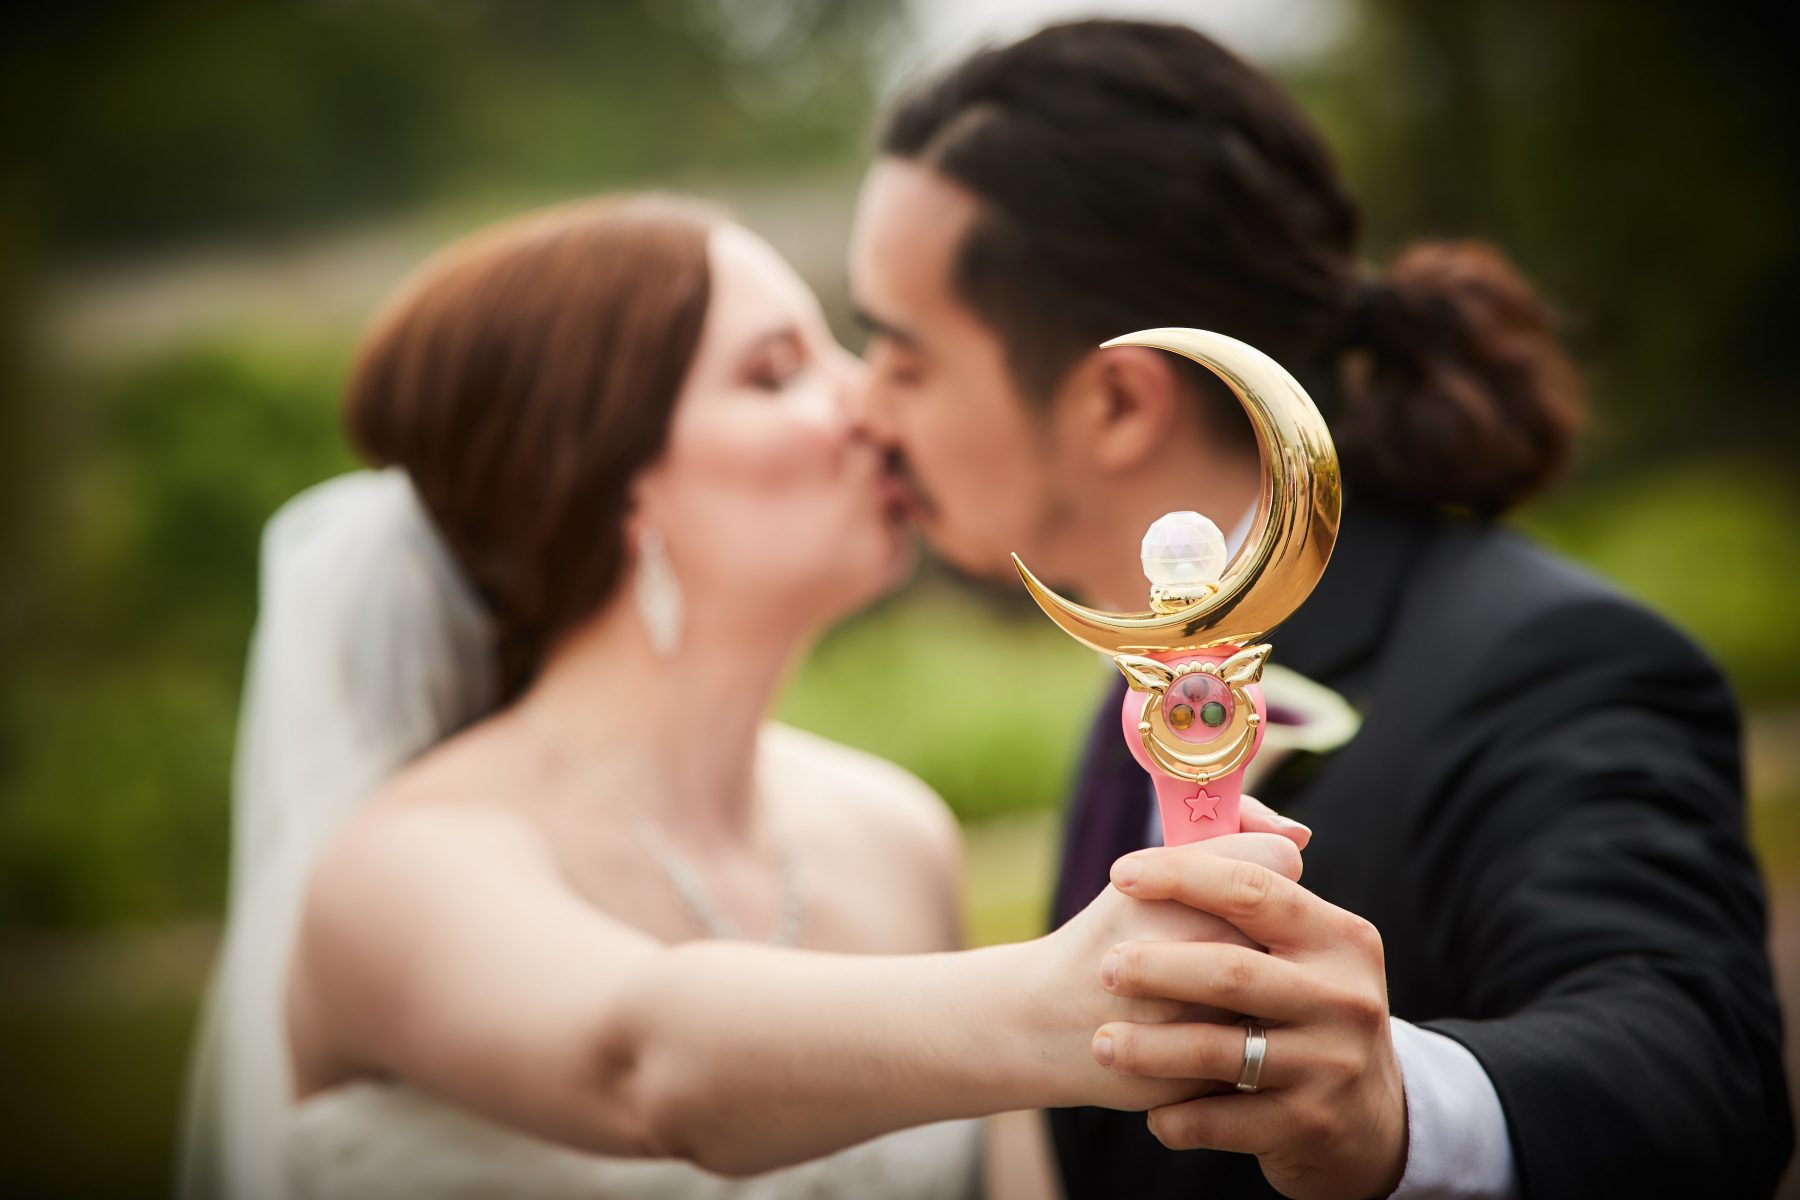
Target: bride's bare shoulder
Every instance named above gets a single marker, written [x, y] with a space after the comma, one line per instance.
[441, 806]
[831, 778]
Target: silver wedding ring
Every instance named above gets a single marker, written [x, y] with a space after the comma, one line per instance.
[1256, 1047]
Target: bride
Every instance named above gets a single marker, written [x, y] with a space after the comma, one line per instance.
[528, 896]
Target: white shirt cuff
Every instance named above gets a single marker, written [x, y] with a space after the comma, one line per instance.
[1457, 1145]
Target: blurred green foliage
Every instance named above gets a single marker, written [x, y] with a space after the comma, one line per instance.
[154, 121]
[118, 707]
[1712, 543]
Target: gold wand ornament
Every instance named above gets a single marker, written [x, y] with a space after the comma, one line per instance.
[1194, 715]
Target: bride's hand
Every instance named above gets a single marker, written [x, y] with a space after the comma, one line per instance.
[1075, 1003]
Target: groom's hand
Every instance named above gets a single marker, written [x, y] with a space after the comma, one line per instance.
[1329, 1119]
[1071, 1003]
[1256, 817]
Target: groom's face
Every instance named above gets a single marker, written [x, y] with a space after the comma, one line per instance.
[980, 462]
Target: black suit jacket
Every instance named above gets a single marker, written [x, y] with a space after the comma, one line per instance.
[1543, 814]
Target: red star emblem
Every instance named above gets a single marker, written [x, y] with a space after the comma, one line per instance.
[1202, 804]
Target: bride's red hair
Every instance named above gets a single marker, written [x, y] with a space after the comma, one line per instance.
[522, 379]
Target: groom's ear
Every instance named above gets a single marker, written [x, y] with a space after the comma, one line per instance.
[1121, 405]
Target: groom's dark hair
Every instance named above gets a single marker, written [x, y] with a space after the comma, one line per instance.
[1135, 175]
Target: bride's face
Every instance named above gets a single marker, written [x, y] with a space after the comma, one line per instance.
[770, 495]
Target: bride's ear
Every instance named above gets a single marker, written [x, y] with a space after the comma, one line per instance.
[1121, 405]
[643, 503]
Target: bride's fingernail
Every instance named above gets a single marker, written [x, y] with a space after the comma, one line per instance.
[1125, 872]
[1287, 822]
[1109, 968]
[1103, 1049]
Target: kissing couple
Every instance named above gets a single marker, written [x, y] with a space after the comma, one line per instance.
[530, 898]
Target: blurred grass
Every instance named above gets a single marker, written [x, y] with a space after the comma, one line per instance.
[1011, 871]
[1713, 543]
[983, 700]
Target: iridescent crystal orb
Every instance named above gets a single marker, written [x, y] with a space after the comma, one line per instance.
[1183, 553]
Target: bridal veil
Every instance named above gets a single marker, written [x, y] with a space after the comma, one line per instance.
[369, 648]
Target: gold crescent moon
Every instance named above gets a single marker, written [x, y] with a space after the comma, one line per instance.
[1290, 539]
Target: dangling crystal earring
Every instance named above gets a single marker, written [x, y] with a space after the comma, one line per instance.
[658, 594]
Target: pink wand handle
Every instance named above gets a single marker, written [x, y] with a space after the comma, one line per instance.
[1193, 811]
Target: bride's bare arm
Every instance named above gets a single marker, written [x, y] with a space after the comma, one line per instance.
[443, 948]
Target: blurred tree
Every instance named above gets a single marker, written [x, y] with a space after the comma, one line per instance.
[1639, 159]
[132, 123]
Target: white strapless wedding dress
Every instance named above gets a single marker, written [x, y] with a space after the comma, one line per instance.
[370, 1141]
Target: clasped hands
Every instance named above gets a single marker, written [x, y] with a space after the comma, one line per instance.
[1328, 1119]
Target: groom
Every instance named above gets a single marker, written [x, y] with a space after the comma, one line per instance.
[1595, 1024]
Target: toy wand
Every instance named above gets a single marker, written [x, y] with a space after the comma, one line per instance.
[1194, 714]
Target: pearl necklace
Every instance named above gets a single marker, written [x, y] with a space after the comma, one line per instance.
[687, 884]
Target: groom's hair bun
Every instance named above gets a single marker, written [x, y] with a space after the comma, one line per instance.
[1135, 174]
[522, 379]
